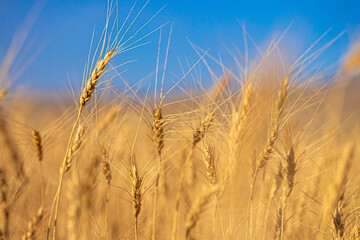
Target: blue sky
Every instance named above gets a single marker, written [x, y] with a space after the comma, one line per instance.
[61, 35]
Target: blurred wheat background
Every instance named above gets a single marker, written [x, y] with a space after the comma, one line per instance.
[269, 149]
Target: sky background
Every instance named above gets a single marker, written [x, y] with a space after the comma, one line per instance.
[59, 41]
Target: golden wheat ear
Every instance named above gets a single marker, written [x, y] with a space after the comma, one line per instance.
[136, 192]
[94, 78]
[33, 224]
[74, 149]
[37, 145]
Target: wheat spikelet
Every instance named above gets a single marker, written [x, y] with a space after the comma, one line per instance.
[4, 209]
[105, 166]
[74, 149]
[37, 145]
[94, 78]
[31, 228]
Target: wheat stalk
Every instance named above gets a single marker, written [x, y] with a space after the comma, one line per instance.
[269, 146]
[274, 189]
[136, 192]
[289, 168]
[84, 98]
[74, 208]
[198, 134]
[4, 209]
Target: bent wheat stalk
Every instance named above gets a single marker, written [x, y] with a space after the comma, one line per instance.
[269, 147]
[84, 98]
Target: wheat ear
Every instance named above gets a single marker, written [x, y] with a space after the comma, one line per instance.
[37, 145]
[84, 98]
[31, 228]
[39, 154]
[289, 168]
[269, 146]
[208, 160]
[274, 189]
[158, 137]
[339, 219]
[338, 186]
[198, 134]
[136, 192]
[106, 171]
[73, 149]
[239, 118]
[94, 78]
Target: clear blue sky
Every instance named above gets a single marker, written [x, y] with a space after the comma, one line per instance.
[63, 31]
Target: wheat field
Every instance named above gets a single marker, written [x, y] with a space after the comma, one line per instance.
[269, 150]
